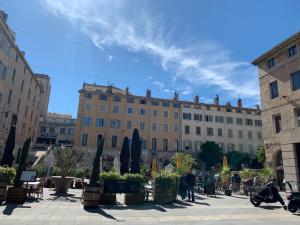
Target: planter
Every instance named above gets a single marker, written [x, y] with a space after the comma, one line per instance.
[16, 195]
[62, 184]
[164, 198]
[108, 199]
[228, 192]
[134, 199]
[3, 188]
[91, 197]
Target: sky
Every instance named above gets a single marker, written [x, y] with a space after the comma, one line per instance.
[194, 47]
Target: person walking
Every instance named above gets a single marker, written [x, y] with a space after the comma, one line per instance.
[190, 181]
[182, 186]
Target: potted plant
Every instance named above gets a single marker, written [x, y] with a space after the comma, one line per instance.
[67, 160]
[7, 176]
[110, 197]
[91, 196]
[17, 194]
[135, 198]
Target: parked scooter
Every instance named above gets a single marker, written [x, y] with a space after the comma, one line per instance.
[294, 199]
[269, 194]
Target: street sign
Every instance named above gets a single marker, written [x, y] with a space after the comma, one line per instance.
[28, 176]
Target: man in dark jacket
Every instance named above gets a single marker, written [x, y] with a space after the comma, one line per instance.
[190, 181]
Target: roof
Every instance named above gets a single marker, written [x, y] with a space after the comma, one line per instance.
[295, 37]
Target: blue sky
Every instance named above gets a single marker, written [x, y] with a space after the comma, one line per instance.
[195, 47]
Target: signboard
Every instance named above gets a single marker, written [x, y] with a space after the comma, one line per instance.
[28, 176]
[121, 186]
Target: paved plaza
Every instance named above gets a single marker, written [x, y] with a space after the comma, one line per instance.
[53, 210]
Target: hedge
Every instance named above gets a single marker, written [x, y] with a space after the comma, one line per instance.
[8, 173]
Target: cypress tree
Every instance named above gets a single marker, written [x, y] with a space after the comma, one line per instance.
[124, 157]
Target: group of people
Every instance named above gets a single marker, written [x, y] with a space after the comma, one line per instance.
[187, 184]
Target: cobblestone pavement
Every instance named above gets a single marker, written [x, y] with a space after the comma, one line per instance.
[53, 210]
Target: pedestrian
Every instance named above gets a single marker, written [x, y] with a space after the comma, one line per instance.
[182, 186]
[190, 181]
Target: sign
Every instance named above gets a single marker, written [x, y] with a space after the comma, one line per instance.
[28, 176]
[121, 186]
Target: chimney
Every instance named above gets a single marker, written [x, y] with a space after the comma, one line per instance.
[176, 96]
[257, 107]
[148, 93]
[109, 89]
[239, 103]
[216, 100]
[196, 99]
[127, 90]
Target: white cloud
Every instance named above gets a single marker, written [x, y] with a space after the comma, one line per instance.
[158, 84]
[136, 60]
[110, 58]
[112, 23]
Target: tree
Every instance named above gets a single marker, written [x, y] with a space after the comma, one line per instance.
[96, 164]
[135, 152]
[22, 163]
[183, 162]
[8, 156]
[124, 157]
[211, 154]
[236, 159]
[261, 155]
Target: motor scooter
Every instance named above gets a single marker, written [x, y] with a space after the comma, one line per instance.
[294, 199]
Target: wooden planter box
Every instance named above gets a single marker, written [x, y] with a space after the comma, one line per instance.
[134, 199]
[91, 197]
[3, 190]
[164, 198]
[108, 199]
[16, 195]
[228, 192]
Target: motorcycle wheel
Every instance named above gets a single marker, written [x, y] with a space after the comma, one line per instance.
[255, 201]
[292, 207]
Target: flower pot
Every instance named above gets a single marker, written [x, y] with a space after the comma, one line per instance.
[228, 192]
[164, 198]
[16, 195]
[134, 199]
[91, 197]
[3, 188]
[108, 199]
[62, 184]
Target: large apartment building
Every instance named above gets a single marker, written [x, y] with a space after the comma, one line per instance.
[165, 125]
[23, 94]
[279, 79]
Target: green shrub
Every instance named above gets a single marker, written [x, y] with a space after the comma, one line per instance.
[41, 172]
[166, 182]
[8, 173]
[108, 176]
[134, 177]
[248, 173]
[265, 172]
[82, 173]
[56, 171]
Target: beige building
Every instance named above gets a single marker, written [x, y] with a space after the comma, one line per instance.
[279, 78]
[234, 128]
[23, 95]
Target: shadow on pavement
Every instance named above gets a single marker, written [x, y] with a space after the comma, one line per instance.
[241, 197]
[67, 197]
[9, 208]
[202, 203]
[271, 207]
[101, 212]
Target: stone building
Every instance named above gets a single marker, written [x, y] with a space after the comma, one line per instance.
[279, 79]
[23, 97]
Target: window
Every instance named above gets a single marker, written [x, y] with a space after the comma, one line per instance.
[208, 118]
[219, 119]
[241, 147]
[240, 134]
[176, 144]
[130, 100]
[165, 127]
[176, 128]
[292, 50]
[143, 102]
[129, 110]
[198, 145]
[52, 130]
[103, 97]
[87, 121]
[249, 122]
[166, 113]
[198, 130]
[187, 145]
[154, 127]
[239, 121]
[62, 131]
[229, 120]
[129, 124]
[153, 143]
[187, 129]
[277, 123]
[115, 123]
[102, 107]
[142, 111]
[250, 148]
[88, 106]
[71, 131]
[88, 95]
[230, 147]
[156, 103]
[198, 117]
[22, 85]
[220, 132]
[297, 117]
[258, 123]
[13, 76]
[154, 113]
[258, 135]
[165, 104]
[176, 115]
[187, 116]
[115, 109]
[19, 104]
[295, 79]
[274, 89]
[176, 105]
[165, 144]
[270, 63]
[210, 131]
[84, 139]
[114, 140]
[144, 144]
[142, 125]
[117, 99]
[100, 122]
[9, 97]
[43, 130]
[249, 134]
[230, 133]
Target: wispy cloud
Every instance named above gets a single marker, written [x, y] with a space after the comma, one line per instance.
[110, 58]
[198, 64]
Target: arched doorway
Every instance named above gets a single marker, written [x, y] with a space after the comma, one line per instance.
[279, 168]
